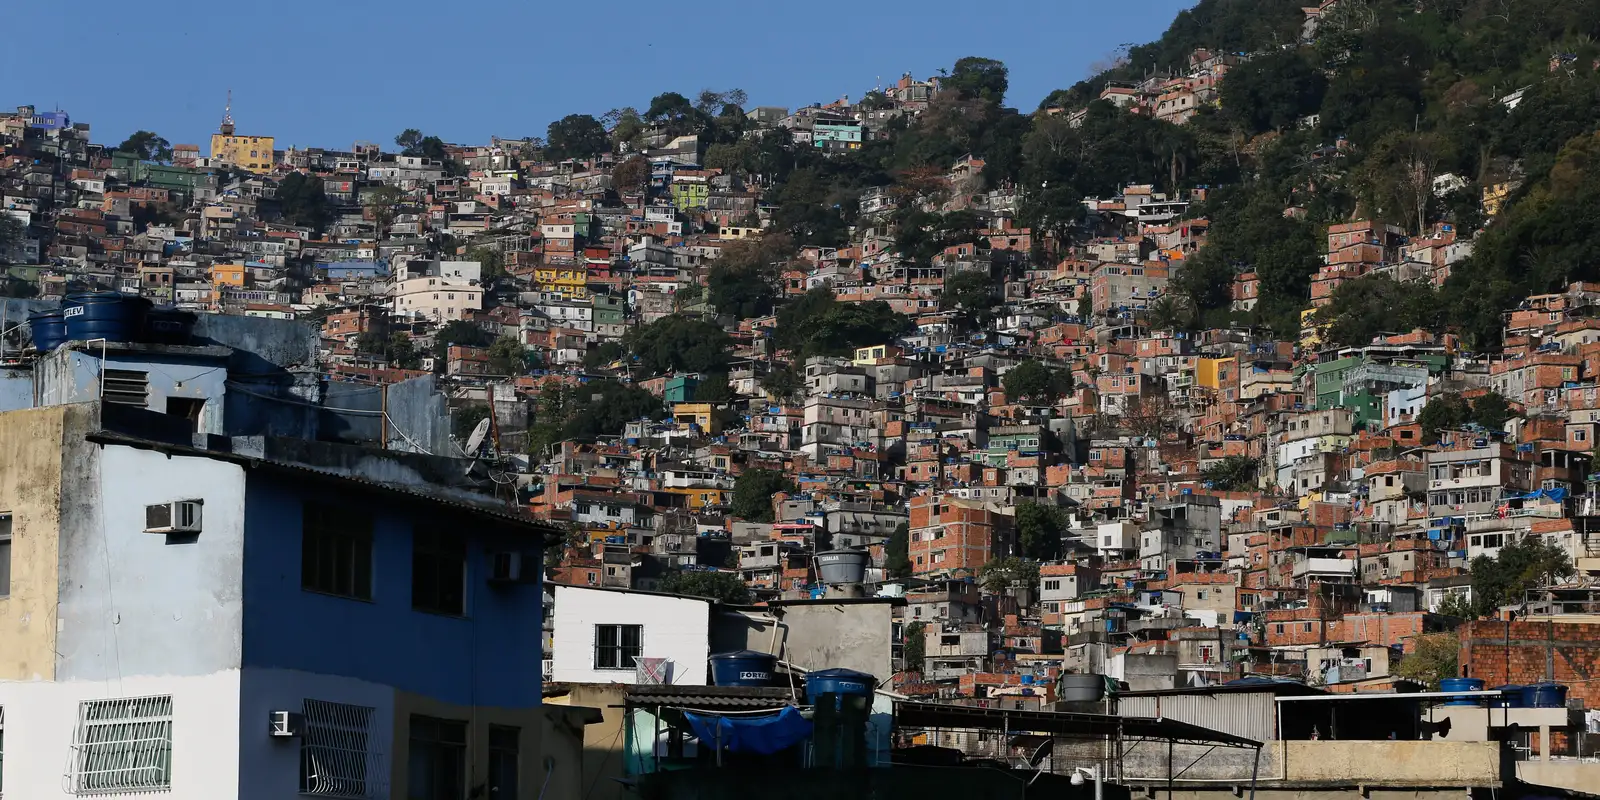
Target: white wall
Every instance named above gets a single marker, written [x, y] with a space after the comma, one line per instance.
[40, 719]
[675, 628]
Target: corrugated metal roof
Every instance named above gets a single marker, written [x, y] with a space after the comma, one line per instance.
[710, 696]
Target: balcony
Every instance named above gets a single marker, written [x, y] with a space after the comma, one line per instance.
[1326, 567]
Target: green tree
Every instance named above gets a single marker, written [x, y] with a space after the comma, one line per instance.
[383, 203]
[741, 280]
[1370, 306]
[12, 234]
[1432, 659]
[972, 292]
[147, 146]
[1170, 312]
[999, 574]
[1085, 305]
[782, 382]
[978, 78]
[816, 323]
[753, 491]
[303, 202]
[1232, 474]
[507, 356]
[603, 355]
[1039, 530]
[575, 136]
[1272, 91]
[402, 351]
[915, 646]
[724, 587]
[1033, 380]
[897, 552]
[1492, 410]
[631, 175]
[714, 388]
[464, 419]
[413, 142]
[1527, 563]
[1445, 412]
[491, 260]
[679, 343]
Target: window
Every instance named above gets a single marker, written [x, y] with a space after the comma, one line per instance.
[504, 758]
[1052, 585]
[437, 766]
[122, 745]
[335, 759]
[438, 572]
[5, 555]
[336, 551]
[1278, 629]
[617, 646]
[128, 387]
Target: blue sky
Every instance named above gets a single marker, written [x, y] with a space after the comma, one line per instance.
[332, 72]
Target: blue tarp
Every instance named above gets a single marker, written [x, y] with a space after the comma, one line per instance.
[764, 734]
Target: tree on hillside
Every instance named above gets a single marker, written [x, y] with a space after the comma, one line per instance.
[575, 136]
[1033, 380]
[1170, 312]
[753, 491]
[896, 552]
[303, 202]
[741, 280]
[1039, 530]
[915, 646]
[413, 142]
[1527, 563]
[1445, 412]
[972, 292]
[1372, 305]
[490, 260]
[1001, 573]
[1491, 410]
[1431, 660]
[1272, 91]
[1232, 474]
[724, 587]
[978, 78]
[383, 203]
[507, 356]
[679, 343]
[632, 175]
[147, 146]
[12, 233]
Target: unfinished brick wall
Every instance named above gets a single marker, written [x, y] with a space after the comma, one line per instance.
[1534, 652]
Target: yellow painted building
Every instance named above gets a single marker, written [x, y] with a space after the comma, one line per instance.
[698, 414]
[249, 153]
[701, 497]
[566, 280]
[228, 275]
[1207, 372]
[1494, 197]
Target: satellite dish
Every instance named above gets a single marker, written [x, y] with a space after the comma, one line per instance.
[479, 433]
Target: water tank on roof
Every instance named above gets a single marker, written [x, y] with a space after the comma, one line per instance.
[842, 682]
[1461, 685]
[1545, 695]
[1082, 688]
[743, 668]
[49, 330]
[168, 325]
[112, 316]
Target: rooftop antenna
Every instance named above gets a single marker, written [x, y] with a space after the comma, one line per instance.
[227, 116]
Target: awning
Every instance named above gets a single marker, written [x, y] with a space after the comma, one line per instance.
[1064, 724]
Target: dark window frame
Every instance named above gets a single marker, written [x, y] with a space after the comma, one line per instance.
[336, 551]
[438, 572]
[611, 648]
[437, 757]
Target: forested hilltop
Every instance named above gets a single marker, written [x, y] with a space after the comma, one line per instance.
[1399, 112]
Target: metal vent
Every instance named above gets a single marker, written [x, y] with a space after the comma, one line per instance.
[129, 387]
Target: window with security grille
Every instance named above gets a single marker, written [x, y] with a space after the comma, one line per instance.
[337, 756]
[618, 646]
[122, 745]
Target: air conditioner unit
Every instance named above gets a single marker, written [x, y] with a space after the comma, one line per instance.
[506, 568]
[287, 724]
[178, 516]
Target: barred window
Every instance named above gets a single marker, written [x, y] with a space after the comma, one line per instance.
[337, 758]
[616, 646]
[122, 745]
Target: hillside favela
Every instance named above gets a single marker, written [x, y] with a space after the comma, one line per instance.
[1223, 426]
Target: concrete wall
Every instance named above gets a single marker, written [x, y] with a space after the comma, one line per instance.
[269, 767]
[71, 376]
[1424, 763]
[675, 628]
[602, 742]
[489, 657]
[30, 490]
[16, 389]
[41, 718]
[854, 636]
[136, 603]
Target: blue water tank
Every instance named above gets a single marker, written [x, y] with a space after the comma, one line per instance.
[1545, 695]
[840, 682]
[1511, 696]
[743, 668]
[49, 330]
[168, 325]
[112, 316]
[1461, 685]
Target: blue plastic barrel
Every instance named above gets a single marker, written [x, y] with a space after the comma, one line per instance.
[1545, 695]
[743, 668]
[168, 325]
[1511, 696]
[112, 316]
[838, 682]
[1461, 685]
[49, 330]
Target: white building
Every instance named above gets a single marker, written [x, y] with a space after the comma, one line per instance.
[601, 633]
[437, 299]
